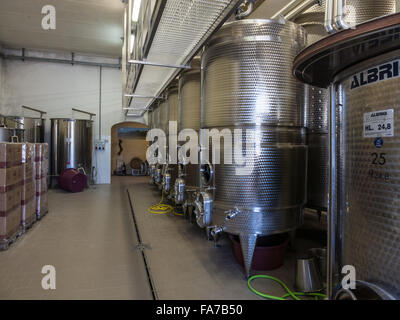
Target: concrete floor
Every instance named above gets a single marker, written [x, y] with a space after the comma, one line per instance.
[91, 240]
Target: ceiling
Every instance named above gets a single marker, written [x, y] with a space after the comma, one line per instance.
[82, 26]
[268, 8]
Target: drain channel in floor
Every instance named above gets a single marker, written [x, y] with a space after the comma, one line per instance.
[142, 247]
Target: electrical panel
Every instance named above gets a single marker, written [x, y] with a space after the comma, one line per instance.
[100, 145]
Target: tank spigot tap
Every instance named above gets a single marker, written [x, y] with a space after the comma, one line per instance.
[216, 231]
[231, 214]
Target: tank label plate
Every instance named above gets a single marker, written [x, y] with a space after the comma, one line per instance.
[379, 124]
[383, 72]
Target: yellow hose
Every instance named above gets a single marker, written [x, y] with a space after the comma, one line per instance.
[162, 208]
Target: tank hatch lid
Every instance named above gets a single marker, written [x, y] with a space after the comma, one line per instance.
[72, 119]
[319, 63]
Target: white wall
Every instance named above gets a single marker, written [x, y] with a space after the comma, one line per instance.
[1, 82]
[56, 88]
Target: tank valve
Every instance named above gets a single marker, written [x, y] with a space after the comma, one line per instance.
[179, 190]
[230, 214]
[158, 176]
[203, 208]
[166, 182]
[216, 231]
[152, 173]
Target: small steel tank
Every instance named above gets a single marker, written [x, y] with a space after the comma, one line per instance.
[245, 67]
[9, 135]
[189, 118]
[71, 145]
[364, 211]
[33, 128]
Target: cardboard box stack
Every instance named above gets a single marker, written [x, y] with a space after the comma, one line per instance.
[10, 192]
[42, 170]
[28, 198]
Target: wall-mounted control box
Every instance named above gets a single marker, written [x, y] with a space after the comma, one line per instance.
[100, 145]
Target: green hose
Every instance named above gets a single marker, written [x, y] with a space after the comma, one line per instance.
[289, 293]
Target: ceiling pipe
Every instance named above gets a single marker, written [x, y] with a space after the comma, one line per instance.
[85, 112]
[339, 16]
[329, 15]
[64, 61]
[35, 110]
[294, 8]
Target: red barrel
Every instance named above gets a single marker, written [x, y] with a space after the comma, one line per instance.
[269, 253]
[72, 180]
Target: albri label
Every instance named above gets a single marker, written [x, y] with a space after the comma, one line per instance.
[380, 73]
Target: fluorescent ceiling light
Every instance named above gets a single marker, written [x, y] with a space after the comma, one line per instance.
[135, 10]
[132, 40]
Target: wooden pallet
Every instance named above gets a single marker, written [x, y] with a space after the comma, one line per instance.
[39, 216]
[29, 224]
[5, 244]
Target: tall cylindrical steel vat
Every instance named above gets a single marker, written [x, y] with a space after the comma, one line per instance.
[313, 20]
[150, 118]
[156, 116]
[189, 113]
[71, 145]
[247, 84]
[172, 102]
[156, 169]
[359, 11]
[163, 116]
[163, 125]
[369, 204]
[150, 122]
[171, 111]
[364, 180]
[316, 116]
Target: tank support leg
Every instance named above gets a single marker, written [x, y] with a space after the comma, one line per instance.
[208, 234]
[190, 211]
[292, 242]
[185, 211]
[248, 244]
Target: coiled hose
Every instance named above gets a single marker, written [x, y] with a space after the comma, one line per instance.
[162, 208]
[289, 293]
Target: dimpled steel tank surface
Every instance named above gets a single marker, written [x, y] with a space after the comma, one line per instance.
[169, 112]
[370, 187]
[189, 112]
[312, 20]
[364, 153]
[156, 124]
[247, 83]
[316, 116]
